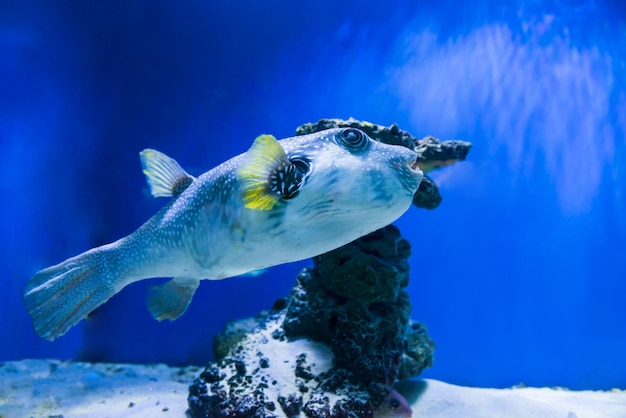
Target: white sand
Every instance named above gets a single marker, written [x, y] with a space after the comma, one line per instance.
[44, 388]
[435, 399]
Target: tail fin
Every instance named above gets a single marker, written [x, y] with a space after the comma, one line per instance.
[58, 297]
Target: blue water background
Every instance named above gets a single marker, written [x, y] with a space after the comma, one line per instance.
[520, 274]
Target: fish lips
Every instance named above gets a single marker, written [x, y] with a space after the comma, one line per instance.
[415, 169]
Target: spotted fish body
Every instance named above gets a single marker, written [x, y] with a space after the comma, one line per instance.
[282, 201]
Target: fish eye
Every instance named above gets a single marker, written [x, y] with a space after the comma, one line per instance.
[394, 403]
[353, 139]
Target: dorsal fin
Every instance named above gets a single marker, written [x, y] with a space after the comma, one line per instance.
[164, 175]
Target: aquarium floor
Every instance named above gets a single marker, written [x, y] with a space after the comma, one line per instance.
[51, 388]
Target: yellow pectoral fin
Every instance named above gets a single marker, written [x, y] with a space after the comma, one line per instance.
[264, 157]
[259, 199]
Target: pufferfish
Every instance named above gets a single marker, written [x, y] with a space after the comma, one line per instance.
[279, 202]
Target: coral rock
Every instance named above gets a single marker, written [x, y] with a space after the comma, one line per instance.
[330, 349]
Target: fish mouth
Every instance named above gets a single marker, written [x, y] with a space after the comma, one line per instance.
[414, 172]
[409, 174]
[415, 168]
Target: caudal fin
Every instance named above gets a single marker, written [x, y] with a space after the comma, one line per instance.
[58, 297]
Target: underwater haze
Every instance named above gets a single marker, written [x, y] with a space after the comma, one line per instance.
[525, 273]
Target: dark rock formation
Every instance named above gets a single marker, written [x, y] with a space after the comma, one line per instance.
[431, 152]
[321, 352]
[427, 195]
